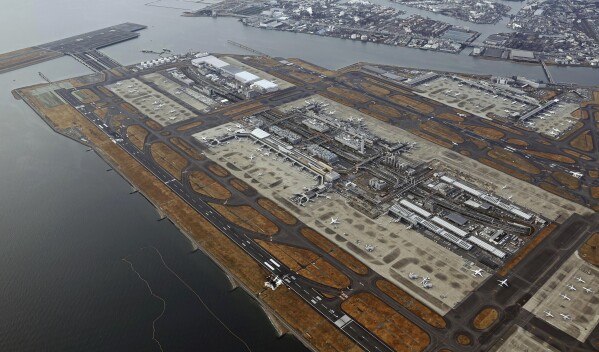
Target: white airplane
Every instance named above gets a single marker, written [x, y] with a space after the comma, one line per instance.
[566, 316]
[503, 283]
[203, 138]
[267, 153]
[564, 296]
[548, 314]
[587, 290]
[477, 272]
[579, 279]
[334, 221]
[229, 129]
[172, 111]
[251, 157]
[572, 288]
[504, 187]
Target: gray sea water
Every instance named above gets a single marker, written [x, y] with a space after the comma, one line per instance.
[66, 223]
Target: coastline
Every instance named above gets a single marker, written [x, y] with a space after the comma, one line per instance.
[239, 267]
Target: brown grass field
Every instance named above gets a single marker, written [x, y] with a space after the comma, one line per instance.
[589, 251]
[480, 144]
[513, 160]
[485, 318]
[566, 179]
[503, 127]
[388, 325]
[129, 108]
[350, 95]
[311, 67]
[105, 91]
[595, 192]
[577, 154]
[187, 148]
[304, 77]
[293, 257]
[374, 89]
[168, 159]
[307, 264]
[86, 96]
[550, 156]
[450, 117]
[594, 173]
[205, 185]
[505, 169]
[323, 335]
[117, 120]
[137, 135]
[218, 170]
[101, 113]
[583, 142]
[336, 252]
[376, 115]
[517, 142]
[277, 211]
[323, 272]
[433, 139]
[441, 131]
[486, 132]
[247, 217]
[240, 185]
[189, 126]
[153, 125]
[412, 103]
[463, 340]
[236, 109]
[412, 304]
[385, 110]
[557, 190]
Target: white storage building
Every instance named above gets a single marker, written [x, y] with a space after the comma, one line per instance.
[265, 86]
[246, 78]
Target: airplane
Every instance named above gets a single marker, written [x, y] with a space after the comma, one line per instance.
[566, 316]
[229, 129]
[477, 272]
[504, 187]
[334, 221]
[172, 111]
[548, 314]
[587, 290]
[426, 282]
[409, 226]
[251, 157]
[503, 283]
[580, 279]
[564, 296]
[267, 153]
[572, 288]
[203, 138]
[238, 125]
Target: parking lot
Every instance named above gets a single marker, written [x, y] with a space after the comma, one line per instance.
[150, 102]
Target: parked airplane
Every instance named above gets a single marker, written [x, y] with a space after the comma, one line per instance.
[571, 287]
[252, 157]
[579, 279]
[564, 296]
[587, 290]
[334, 221]
[477, 272]
[548, 314]
[503, 283]
[566, 316]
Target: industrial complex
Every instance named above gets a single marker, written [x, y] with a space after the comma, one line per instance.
[372, 208]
